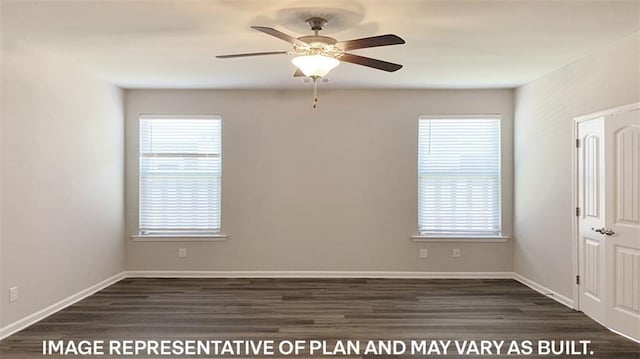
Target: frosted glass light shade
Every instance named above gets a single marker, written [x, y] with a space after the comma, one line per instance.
[315, 65]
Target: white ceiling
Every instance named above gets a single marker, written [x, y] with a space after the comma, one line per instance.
[450, 44]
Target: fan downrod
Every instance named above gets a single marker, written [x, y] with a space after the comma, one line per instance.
[316, 41]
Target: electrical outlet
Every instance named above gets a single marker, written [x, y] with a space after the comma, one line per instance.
[424, 253]
[456, 252]
[182, 253]
[13, 294]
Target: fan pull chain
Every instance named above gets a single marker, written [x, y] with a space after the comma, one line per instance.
[315, 92]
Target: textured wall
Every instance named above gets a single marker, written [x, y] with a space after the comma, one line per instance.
[331, 189]
[544, 147]
[62, 181]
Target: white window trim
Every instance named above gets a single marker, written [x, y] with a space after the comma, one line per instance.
[182, 238]
[155, 237]
[172, 116]
[488, 116]
[459, 238]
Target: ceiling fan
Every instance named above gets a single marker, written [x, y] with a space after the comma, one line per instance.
[316, 55]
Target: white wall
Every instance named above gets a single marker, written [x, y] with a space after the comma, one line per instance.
[544, 146]
[332, 189]
[62, 159]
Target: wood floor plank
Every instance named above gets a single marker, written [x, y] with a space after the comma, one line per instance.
[319, 309]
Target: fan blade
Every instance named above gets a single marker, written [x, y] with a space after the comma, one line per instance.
[369, 62]
[298, 73]
[374, 41]
[280, 35]
[252, 54]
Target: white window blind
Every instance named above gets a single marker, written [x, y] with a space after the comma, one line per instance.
[459, 175]
[180, 174]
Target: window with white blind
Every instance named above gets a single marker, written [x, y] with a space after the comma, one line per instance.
[459, 175]
[180, 174]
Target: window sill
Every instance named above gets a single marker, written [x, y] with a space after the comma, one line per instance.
[182, 238]
[460, 239]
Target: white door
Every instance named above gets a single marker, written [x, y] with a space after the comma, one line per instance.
[622, 223]
[591, 193]
[609, 220]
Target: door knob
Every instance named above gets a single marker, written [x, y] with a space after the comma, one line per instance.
[605, 231]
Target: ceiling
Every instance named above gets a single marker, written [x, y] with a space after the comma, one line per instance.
[450, 44]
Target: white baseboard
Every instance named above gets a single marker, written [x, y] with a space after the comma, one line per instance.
[624, 335]
[318, 274]
[544, 290]
[56, 307]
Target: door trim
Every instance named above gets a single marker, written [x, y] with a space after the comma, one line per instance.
[574, 188]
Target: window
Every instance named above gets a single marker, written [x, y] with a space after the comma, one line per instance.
[459, 175]
[180, 174]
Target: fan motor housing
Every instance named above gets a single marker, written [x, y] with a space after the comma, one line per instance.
[318, 41]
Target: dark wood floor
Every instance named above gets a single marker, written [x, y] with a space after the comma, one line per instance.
[319, 309]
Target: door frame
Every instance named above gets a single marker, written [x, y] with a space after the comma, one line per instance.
[574, 188]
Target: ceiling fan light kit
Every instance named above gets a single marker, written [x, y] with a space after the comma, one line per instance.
[316, 55]
[315, 65]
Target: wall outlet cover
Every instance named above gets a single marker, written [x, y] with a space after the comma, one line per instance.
[13, 294]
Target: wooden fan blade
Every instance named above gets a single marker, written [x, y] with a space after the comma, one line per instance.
[252, 54]
[280, 35]
[374, 41]
[298, 73]
[369, 62]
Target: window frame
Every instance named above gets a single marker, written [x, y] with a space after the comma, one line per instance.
[461, 237]
[171, 236]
